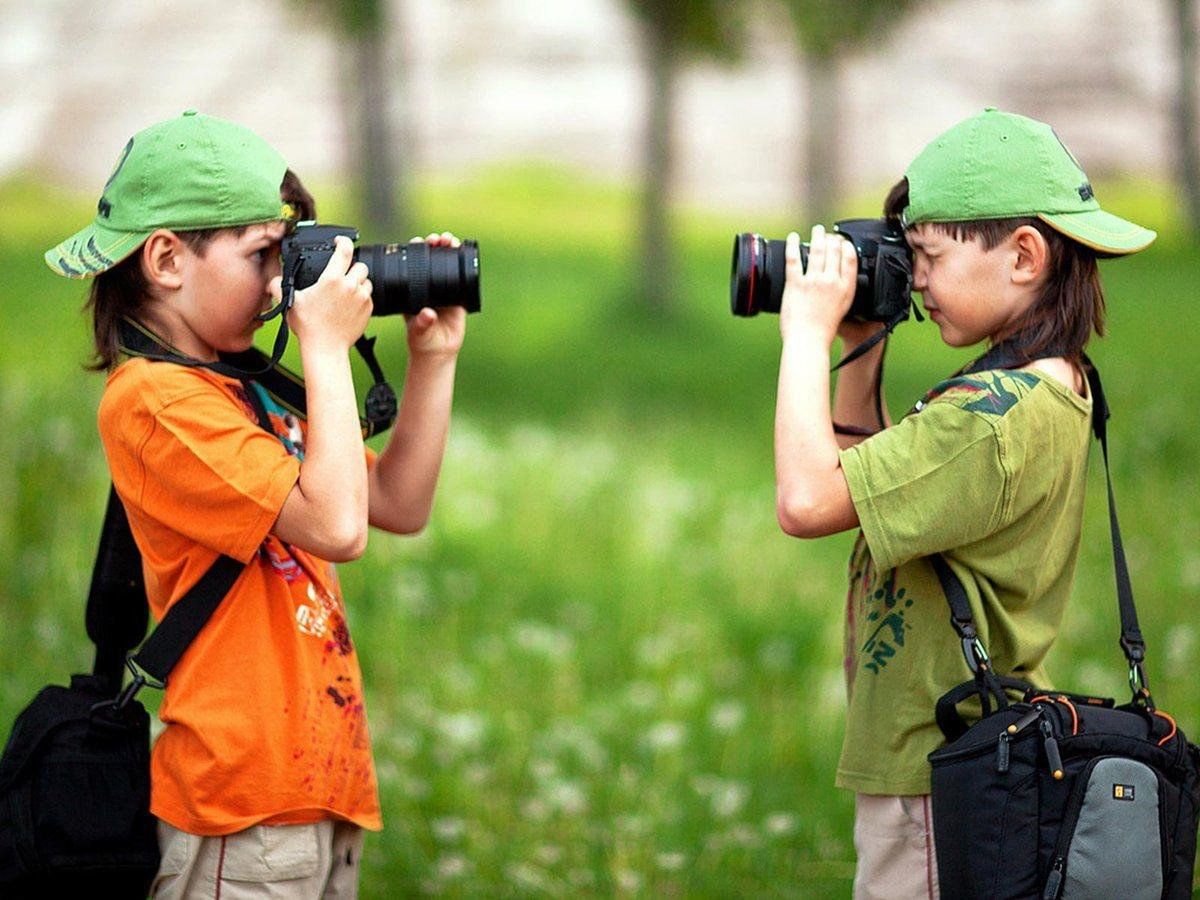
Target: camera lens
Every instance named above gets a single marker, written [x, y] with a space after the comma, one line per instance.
[757, 274]
[409, 277]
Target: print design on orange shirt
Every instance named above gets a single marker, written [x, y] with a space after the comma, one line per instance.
[323, 616]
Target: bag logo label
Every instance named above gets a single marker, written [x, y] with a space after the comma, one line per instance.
[1123, 792]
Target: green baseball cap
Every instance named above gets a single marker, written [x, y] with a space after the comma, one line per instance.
[998, 165]
[187, 173]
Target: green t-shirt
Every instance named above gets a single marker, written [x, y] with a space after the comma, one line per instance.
[990, 472]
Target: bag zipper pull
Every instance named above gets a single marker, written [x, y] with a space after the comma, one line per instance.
[1054, 882]
[1002, 752]
[1024, 722]
[1052, 755]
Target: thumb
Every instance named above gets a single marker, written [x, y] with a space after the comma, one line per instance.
[275, 288]
[339, 260]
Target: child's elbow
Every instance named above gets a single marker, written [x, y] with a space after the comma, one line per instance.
[799, 516]
[409, 525]
[345, 543]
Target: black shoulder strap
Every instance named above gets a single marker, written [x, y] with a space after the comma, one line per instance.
[117, 610]
[1009, 355]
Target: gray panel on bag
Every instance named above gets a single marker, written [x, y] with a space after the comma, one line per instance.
[1117, 849]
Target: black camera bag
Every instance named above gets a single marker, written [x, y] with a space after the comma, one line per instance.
[1057, 794]
[75, 773]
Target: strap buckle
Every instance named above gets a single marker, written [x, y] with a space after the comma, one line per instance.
[1137, 679]
[1134, 649]
[975, 655]
[141, 679]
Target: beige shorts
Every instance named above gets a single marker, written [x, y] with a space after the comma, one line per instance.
[277, 861]
[893, 837]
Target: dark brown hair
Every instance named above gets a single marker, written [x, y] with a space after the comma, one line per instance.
[123, 290]
[1070, 305]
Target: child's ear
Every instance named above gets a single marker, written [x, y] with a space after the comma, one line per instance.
[1032, 255]
[162, 259]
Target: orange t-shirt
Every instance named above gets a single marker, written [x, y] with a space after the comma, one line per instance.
[264, 713]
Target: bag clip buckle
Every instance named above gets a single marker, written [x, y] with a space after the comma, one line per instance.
[975, 655]
[141, 679]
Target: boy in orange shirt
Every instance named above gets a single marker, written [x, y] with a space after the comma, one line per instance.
[262, 779]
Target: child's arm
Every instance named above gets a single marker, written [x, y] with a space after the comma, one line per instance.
[326, 512]
[403, 479]
[812, 498]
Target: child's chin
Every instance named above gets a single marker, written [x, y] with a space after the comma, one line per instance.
[952, 338]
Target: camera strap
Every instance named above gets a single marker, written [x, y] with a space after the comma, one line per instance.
[882, 334]
[281, 383]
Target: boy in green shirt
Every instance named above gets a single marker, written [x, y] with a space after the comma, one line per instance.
[987, 470]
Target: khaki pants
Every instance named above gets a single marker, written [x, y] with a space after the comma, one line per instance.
[893, 837]
[277, 861]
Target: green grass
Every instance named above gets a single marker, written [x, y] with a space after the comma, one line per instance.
[602, 668]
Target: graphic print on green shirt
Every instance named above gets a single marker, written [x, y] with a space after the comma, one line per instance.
[988, 393]
[883, 641]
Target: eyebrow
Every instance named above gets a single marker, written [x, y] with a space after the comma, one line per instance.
[264, 239]
[916, 242]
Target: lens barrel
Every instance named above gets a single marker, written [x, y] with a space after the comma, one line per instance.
[408, 277]
[757, 275]
[405, 278]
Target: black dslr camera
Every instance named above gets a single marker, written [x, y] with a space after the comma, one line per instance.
[405, 278]
[884, 292]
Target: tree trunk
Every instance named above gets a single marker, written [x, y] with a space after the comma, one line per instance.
[1187, 144]
[656, 267]
[384, 193]
[822, 130]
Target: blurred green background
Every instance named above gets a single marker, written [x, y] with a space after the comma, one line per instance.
[602, 668]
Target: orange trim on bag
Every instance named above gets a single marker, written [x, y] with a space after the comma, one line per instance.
[1174, 727]
[1062, 698]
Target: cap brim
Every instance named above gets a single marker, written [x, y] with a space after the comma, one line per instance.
[93, 250]
[1102, 231]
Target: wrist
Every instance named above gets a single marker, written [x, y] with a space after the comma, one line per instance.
[807, 333]
[323, 353]
[432, 358]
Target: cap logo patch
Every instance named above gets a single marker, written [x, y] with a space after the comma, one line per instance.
[1085, 191]
[104, 207]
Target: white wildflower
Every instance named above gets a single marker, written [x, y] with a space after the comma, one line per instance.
[665, 736]
[727, 716]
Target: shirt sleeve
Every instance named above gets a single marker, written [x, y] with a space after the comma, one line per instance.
[205, 470]
[934, 481]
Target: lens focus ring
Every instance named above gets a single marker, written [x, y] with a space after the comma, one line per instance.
[418, 275]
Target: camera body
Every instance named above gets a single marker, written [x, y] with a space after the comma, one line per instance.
[884, 291]
[405, 277]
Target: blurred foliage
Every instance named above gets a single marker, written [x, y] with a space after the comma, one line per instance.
[831, 27]
[352, 17]
[706, 28]
[602, 669]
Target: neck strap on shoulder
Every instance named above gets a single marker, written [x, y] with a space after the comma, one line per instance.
[281, 383]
